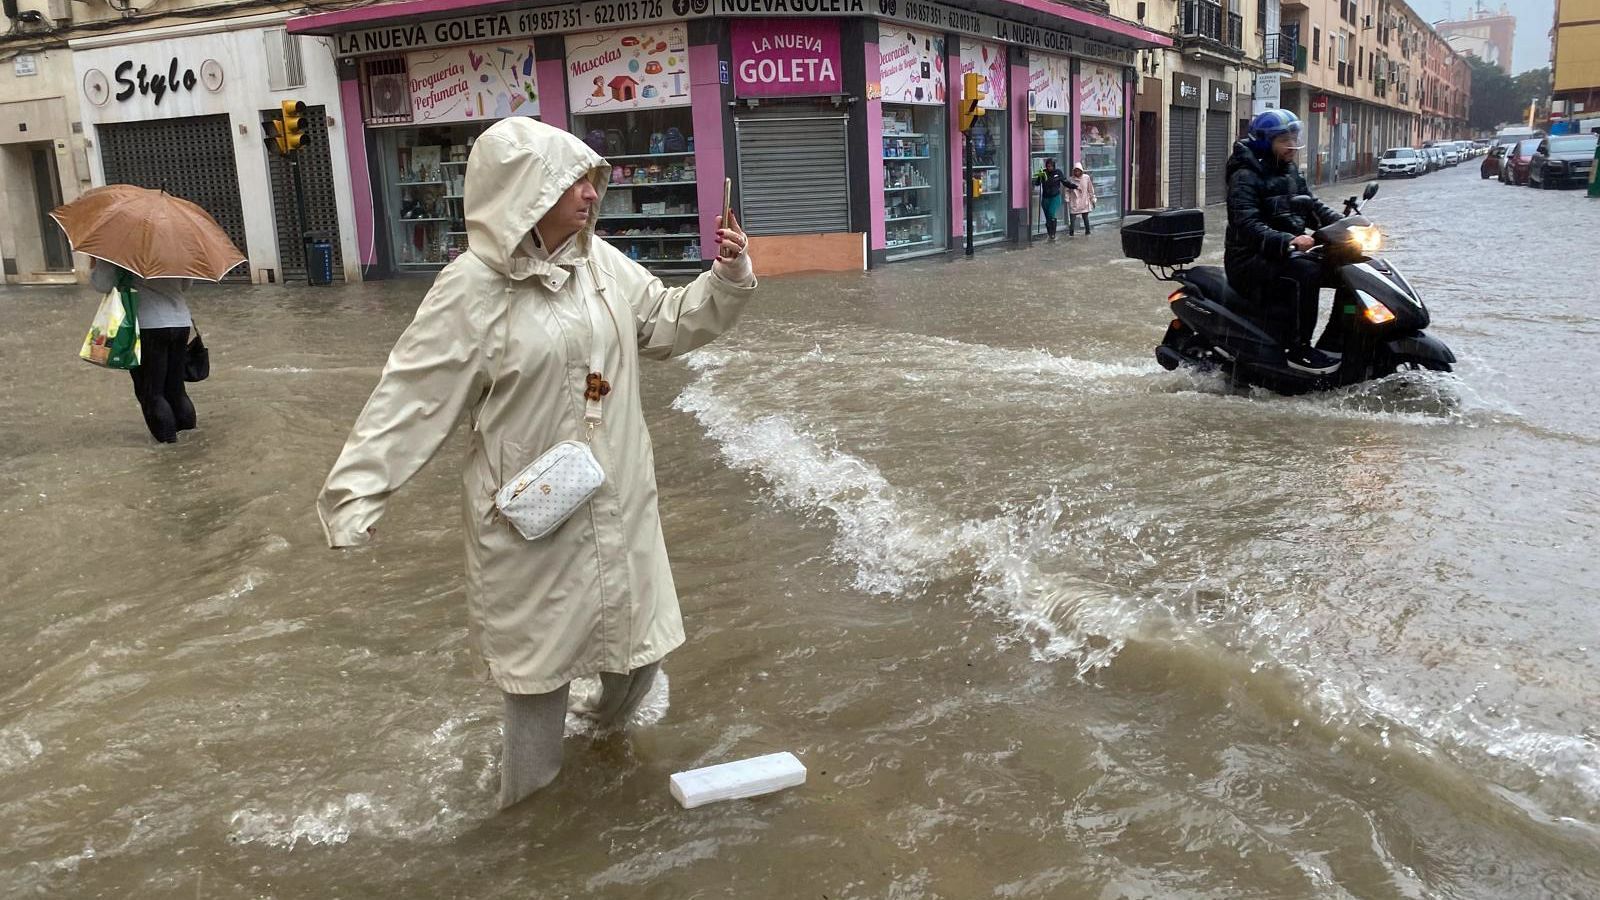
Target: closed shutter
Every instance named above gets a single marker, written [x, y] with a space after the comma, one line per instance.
[1219, 130]
[322, 212]
[1183, 160]
[793, 174]
[189, 157]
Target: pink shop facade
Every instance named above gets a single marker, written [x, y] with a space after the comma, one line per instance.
[836, 119]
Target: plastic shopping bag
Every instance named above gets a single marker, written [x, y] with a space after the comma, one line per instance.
[113, 338]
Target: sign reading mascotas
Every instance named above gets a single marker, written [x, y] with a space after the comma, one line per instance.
[786, 57]
[399, 37]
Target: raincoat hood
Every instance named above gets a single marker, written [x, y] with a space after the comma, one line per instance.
[516, 172]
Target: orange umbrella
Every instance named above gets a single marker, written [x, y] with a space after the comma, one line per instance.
[150, 233]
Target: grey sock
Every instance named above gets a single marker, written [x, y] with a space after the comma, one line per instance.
[530, 751]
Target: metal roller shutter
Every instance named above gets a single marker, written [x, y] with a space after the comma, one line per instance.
[322, 213]
[793, 174]
[190, 157]
[1219, 128]
[1183, 161]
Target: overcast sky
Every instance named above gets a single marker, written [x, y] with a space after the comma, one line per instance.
[1534, 17]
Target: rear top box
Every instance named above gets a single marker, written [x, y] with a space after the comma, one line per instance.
[1169, 237]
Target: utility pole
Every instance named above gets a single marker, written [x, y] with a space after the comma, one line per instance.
[971, 94]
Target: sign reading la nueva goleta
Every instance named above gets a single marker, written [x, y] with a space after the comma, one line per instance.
[598, 14]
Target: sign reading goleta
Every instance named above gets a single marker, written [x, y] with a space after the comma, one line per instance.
[598, 14]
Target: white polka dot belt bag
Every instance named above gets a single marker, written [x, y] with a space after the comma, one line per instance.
[562, 480]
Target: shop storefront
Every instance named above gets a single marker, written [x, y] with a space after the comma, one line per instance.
[835, 123]
[1183, 142]
[990, 146]
[915, 142]
[1102, 132]
[1219, 138]
[423, 111]
[791, 127]
[1050, 122]
[184, 113]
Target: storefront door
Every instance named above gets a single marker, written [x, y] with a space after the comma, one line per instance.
[1049, 135]
[1219, 138]
[794, 173]
[1100, 112]
[47, 196]
[1183, 142]
[190, 157]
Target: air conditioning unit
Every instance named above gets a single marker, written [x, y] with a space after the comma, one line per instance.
[59, 11]
[388, 89]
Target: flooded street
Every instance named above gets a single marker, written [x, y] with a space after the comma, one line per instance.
[1041, 619]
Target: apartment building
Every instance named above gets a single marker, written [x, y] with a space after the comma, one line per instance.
[1575, 59]
[93, 94]
[1364, 75]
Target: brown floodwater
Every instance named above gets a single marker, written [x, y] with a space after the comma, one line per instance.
[1041, 619]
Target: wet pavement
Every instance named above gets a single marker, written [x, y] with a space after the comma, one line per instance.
[1042, 619]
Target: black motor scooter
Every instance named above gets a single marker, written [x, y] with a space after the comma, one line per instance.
[1375, 329]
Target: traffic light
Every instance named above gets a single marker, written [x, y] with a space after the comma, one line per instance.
[289, 130]
[977, 187]
[971, 93]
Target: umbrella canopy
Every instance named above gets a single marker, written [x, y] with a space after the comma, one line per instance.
[150, 233]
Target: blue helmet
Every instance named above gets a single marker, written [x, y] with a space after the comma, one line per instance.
[1268, 126]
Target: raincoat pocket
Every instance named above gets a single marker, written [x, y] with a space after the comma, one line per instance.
[547, 491]
[113, 338]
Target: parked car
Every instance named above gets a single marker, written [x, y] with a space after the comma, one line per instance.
[1490, 167]
[1515, 170]
[1505, 158]
[1562, 160]
[1435, 158]
[1401, 161]
[1451, 156]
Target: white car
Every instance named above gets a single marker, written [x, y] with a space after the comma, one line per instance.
[1401, 161]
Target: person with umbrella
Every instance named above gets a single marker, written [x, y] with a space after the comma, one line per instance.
[154, 246]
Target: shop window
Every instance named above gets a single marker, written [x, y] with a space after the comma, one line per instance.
[915, 184]
[423, 173]
[989, 159]
[650, 210]
[1047, 139]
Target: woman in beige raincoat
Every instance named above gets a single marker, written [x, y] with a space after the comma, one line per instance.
[504, 338]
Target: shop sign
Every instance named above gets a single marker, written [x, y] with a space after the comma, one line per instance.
[153, 85]
[911, 66]
[786, 57]
[565, 18]
[1100, 92]
[989, 61]
[1185, 90]
[631, 68]
[1319, 103]
[1219, 96]
[1049, 84]
[464, 84]
[1268, 94]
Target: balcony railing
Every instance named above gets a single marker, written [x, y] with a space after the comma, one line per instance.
[1203, 22]
[1279, 49]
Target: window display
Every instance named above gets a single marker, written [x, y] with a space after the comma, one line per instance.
[424, 182]
[988, 138]
[915, 205]
[650, 210]
[1100, 95]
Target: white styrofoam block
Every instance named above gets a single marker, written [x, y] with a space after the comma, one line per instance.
[738, 779]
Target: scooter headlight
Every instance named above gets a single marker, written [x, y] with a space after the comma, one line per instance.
[1373, 310]
[1366, 238]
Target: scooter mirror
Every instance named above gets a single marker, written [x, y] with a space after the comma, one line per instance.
[1371, 191]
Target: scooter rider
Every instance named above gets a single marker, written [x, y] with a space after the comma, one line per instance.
[1265, 227]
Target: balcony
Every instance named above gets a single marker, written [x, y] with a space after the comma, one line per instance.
[1279, 50]
[1206, 28]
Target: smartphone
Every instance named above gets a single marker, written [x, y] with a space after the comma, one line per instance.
[727, 200]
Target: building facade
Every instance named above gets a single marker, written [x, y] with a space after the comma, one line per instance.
[177, 102]
[836, 119]
[1487, 35]
[1575, 60]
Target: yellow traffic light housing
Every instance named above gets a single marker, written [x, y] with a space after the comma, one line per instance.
[971, 94]
[289, 127]
[977, 187]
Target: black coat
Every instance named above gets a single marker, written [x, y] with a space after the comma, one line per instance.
[1261, 219]
[1050, 181]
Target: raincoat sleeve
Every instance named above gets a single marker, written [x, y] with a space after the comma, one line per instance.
[434, 372]
[673, 321]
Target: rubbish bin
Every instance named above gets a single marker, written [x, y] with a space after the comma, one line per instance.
[319, 261]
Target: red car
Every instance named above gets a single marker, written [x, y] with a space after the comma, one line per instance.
[1490, 167]
[1515, 170]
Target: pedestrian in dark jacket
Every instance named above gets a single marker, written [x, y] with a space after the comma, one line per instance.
[1050, 181]
[1266, 237]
